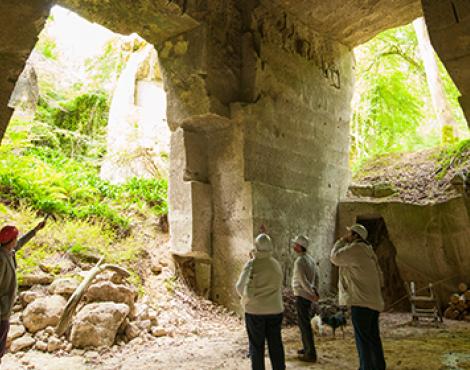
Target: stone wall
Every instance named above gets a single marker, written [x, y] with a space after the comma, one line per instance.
[296, 135]
[137, 132]
[431, 241]
[21, 24]
[448, 23]
[258, 105]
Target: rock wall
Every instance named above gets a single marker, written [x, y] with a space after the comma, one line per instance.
[258, 106]
[296, 134]
[21, 24]
[431, 241]
[448, 23]
[137, 133]
[278, 157]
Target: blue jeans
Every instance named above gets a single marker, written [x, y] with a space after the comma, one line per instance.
[368, 343]
[262, 328]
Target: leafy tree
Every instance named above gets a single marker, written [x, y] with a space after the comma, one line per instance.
[392, 107]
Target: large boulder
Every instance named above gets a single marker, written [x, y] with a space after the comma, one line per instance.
[96, 324]
[107, 291]
[64, 287]
[43, 312]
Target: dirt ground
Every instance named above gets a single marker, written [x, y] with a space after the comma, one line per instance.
[204, 336]
[219, 342]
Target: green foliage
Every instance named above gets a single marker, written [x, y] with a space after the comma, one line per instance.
[47, 47]
[454, 155]
[78, 237]
[107, 66]
[151, 191]
[48, 180]
[170, 284]
[77, 126]
[392, 110]
[448, 136]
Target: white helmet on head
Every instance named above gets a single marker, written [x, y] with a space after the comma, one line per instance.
[301, 240]
[359, 230]
[263, 243]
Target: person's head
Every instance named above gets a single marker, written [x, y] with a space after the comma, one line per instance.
[8, 237]
[300, 244]
[263, 243]
[357, 232]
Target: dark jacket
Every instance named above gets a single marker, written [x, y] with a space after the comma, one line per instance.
[8, 283]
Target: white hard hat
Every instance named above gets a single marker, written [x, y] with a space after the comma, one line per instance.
[359, 230]
[263, 243]
[301, 240]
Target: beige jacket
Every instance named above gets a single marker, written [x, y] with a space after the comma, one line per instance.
[260, 285]
[360, 277]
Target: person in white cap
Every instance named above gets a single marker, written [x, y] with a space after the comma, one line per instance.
[305, 292]
[360, 283]
[260, 288]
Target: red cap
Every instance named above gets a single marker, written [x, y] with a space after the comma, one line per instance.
[8, 233]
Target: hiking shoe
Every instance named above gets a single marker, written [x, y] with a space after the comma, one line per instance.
[304, 358]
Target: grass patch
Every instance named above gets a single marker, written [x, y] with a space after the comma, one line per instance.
[77, 237]
[49, 181]
[453, 156]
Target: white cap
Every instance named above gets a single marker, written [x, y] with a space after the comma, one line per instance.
[359, 230]
[263, 243]
[301, 240]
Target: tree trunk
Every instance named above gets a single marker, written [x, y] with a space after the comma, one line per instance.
[436, 87]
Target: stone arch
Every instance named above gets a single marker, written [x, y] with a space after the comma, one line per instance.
[259, 104]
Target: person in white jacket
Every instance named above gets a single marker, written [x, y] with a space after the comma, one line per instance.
[305, 292]
[360, 283]
[260, 289]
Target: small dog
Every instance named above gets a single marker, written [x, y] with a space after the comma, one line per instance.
[334, 321]
[317, 325]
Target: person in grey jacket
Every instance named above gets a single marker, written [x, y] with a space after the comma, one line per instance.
[260, 289]
[360, 283]
[9, 245]
[305, 292]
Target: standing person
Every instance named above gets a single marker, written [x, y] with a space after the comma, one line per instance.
[9, 245]
[360, 283]
[260, 288]
[305, 292]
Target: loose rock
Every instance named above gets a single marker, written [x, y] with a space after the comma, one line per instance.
[22, 344]
[43, 312]
[64, 287]
[16, 331]
[107, 291]
[96, 324]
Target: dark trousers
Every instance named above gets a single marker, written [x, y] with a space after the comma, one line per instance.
[4, 328]
[368, 343]
[303, 314]
[262, 328]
